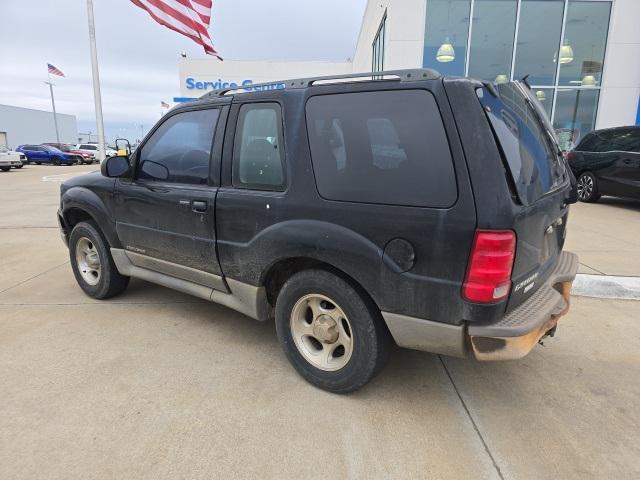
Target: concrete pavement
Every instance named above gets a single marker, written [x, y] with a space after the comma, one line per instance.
[157, 384]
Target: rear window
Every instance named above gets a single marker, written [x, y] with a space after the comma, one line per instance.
[386, 147]
[525, 136]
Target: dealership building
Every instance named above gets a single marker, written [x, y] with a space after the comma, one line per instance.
[582, 57]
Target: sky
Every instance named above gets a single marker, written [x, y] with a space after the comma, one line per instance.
[138, 58]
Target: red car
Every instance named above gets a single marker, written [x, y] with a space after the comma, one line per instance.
[86, 157]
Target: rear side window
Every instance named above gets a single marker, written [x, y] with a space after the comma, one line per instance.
[258, 153]
[386, 147]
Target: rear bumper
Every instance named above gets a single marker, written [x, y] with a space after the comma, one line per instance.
[511, 337]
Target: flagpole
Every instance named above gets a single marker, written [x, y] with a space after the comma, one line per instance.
[96, 79]
[53, 104]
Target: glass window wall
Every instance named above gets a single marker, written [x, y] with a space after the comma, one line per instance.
[586, 33]
[446, 34]
[575, 115]
[377, 59]
[558, 44]
[491, 48]
[539, 32]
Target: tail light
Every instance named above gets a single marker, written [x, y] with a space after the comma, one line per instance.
[488, 277]
[570, 156]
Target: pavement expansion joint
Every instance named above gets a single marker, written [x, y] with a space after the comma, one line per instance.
[471, 419]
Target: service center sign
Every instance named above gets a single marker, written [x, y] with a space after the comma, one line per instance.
[195, 85]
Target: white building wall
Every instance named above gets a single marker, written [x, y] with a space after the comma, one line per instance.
[25, 125]
[404, 34]
[620, 94]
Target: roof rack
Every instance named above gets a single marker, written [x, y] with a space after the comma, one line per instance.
[396, 75]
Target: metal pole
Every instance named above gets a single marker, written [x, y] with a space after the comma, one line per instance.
[53, 104]
[96, 80]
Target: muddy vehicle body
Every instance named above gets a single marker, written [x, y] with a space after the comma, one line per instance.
[403, 207]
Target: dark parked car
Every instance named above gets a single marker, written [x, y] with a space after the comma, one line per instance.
[607, 162]
[46, 154]
[355, 213]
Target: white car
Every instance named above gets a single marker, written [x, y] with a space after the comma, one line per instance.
[9, 158]
[93, 149]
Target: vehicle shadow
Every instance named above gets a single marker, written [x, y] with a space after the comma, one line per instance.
[626, 203]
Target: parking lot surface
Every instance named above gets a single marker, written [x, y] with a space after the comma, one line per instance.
[157, 384]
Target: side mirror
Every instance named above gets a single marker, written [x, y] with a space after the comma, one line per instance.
[123, 147]
[153, 170]
[114, 167]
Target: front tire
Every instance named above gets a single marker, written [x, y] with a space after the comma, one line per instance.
[92, 264]
[332, 335]
[5, 169]
[587, 188]
[56, 161]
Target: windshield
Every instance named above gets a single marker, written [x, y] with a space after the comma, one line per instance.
[527, 140]
[64, 148]
[50, 148]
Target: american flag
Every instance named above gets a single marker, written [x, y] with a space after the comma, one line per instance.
[164, 104]
[53, 70]
[191, 18]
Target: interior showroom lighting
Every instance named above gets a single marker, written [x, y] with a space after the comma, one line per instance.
[446, 53]
[501, 78]
[566, 53]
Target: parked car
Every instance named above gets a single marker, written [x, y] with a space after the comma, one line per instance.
[607, 162]
[86, 158]
[46, 154]
[355, 213]
[10, 159]
[94, 150]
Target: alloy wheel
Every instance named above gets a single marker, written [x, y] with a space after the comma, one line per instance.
[321, 332]
[585, 187]
[88, 261]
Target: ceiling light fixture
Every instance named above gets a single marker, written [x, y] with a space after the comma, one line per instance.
[566, 53]
[446, 53]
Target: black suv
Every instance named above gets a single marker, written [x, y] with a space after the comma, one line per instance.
[355, 210]
[607, 162]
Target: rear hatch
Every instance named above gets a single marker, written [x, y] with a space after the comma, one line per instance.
[538, 179]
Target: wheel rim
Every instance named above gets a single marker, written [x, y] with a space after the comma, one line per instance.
[88, 261]
[321, 332]
[585, 187]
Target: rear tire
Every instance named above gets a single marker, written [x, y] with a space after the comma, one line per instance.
[332, 335]
[587, 188]
[19, 166]
[38, 163]
[92, 264]
[5, 169]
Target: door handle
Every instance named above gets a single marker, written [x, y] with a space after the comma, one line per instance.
[199, 206]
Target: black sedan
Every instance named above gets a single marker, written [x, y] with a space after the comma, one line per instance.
[607, 162]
